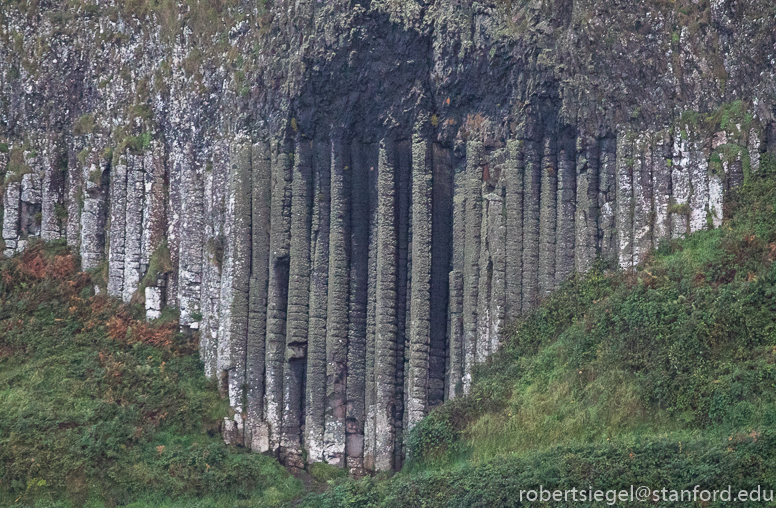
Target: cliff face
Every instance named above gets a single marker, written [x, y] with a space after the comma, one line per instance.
[349, 199]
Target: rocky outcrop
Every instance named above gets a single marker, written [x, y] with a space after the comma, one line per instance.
[349, 201]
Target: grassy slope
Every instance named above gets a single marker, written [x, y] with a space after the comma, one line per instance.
[100, 409]
[665, 377]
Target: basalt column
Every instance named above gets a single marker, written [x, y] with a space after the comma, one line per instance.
[338, 304]
[94, 215]
[607, 198]
[386, 327]
[420, 323]
[217, 174]
[587, 213]
[642, 198]
[315, 397]
[363, 162]
[625, 205]
[118, 220]
[134, 225]
[191, 239]
[661, 188]
[471, 266]
[154, 224]
[531, 191]
[235, 280]
[566, 208]
[695, 157]
[261, 200]
[513, 179]
[441, 245]
[548, 203]
[299, 294]
[75, 188]
[455, 350]
[490, 305]
[371, 314]
[680, 189]
[403, 288]
[496, 231]
[52, 190]
[277, 291]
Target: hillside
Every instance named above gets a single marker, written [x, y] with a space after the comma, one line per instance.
[355, 197]
[98, 408]
[663, 377]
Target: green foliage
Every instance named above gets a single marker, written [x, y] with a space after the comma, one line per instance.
[676, 461]
[679, 209]
[84, 125]
[322, 472]
[17, 165]
[100, 409]
[159, 263]
[135, 144]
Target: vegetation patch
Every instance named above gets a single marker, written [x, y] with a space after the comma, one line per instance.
[100, 408]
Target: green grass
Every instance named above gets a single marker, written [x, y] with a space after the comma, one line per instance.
[663, 377]
[98, 408]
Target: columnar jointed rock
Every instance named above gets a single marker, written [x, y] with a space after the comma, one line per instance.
[192, 239]
[496, 301]
[94, 214]
[548, 214]
[566, 208]
[11, 216]
[216, 189]
[235, 276]
[403, 189]
[297, 318]
[277, 292]
[118, 220]
[133, 223]
[625, 205]
[471, 267]
[456, 352]
[607, 198]
[358, 301]
[441, 258]
[52, 192]
[531, 191]
[587, 211]
[338, 304]
[74, 194]
[513, 179]
[420, 322]
[697, 155]
[371, 317]
[661, 188]
[485, 262]
[257, 436]
[642, 198]
[315, 408]
[680, 186]
[386, 329]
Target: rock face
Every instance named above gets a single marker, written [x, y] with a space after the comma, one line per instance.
[349, 200]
